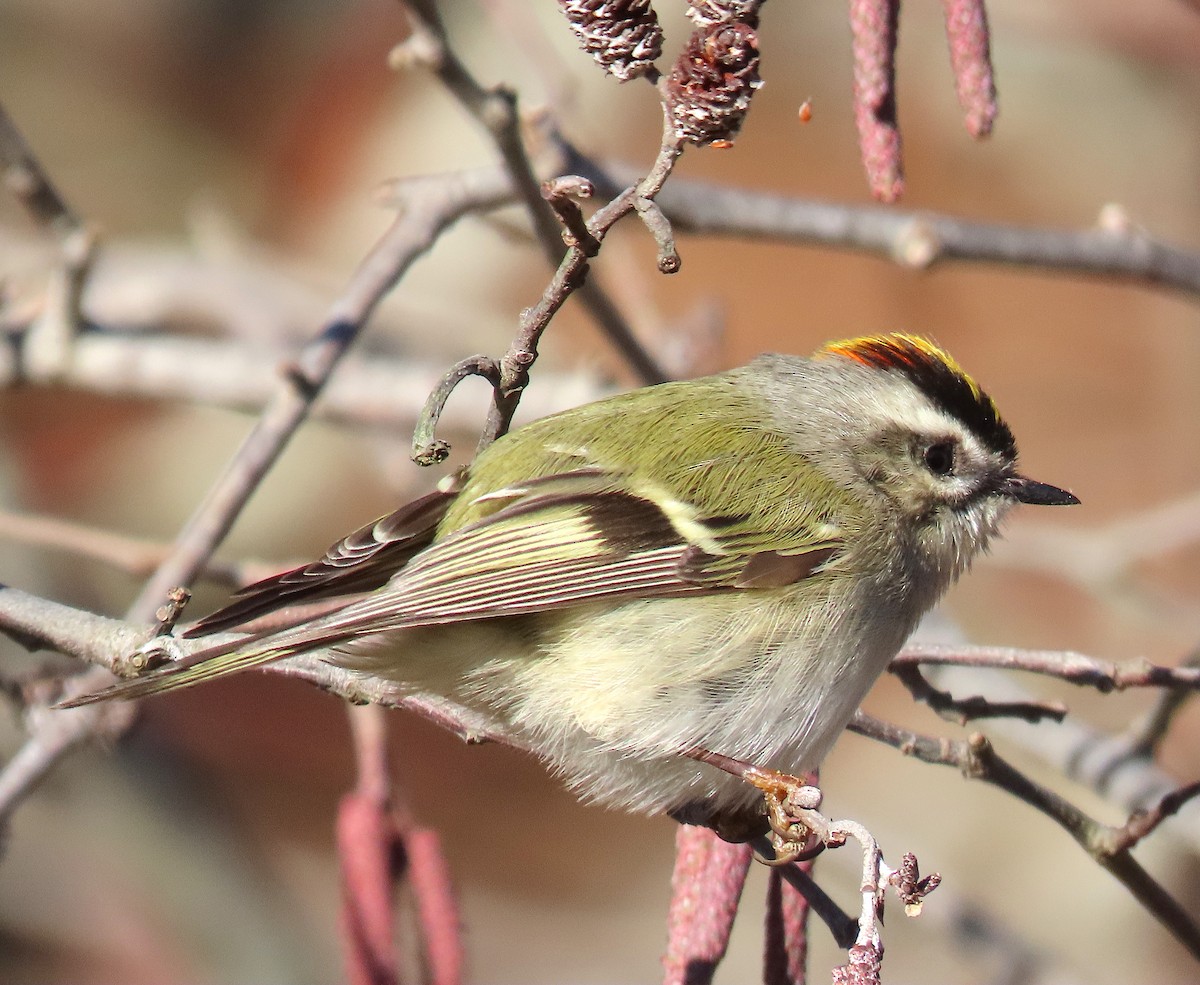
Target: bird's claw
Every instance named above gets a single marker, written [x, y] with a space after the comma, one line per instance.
[788, 798]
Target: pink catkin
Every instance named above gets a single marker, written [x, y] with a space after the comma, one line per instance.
[365, 840]
[437, 907]
[873, 29]
[971, 58]
[706, 888]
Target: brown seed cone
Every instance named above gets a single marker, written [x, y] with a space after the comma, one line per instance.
[623, 36]
[709, 90]
[706, 13]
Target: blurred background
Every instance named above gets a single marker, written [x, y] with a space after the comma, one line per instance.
[252, 139]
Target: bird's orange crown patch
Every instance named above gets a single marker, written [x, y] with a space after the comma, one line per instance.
[936, 373]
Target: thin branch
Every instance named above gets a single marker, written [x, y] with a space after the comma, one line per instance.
[1145, 736]
[426, 448]
[135, 556]
[114, 645]
[1065, 665]
[28, 182]
[495, 110]
[1109, 847]
[841, 924]
[521, 354]
[917, 240]
[560, 194]
[1110, 765]
[963, 710]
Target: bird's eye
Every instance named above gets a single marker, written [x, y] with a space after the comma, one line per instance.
[939, 458]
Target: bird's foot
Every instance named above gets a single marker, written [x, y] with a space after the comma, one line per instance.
[791, 803]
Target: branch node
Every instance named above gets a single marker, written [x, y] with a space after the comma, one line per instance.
[169, 612]
[916, 245]
[560, 194]
[50, 338]
[420, 50]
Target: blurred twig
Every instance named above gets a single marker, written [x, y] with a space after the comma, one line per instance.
[49, 338]
[27, 181]
[918, 240]
[367, 391]
[134, 555]
[431, 205]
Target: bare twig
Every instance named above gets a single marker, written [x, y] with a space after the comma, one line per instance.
[514, 366]
[1109, 847]
[660, 228]
[1111, 765]
[496, 110]
[914, 239]
[841, 924]
[1143, 823]
[1074, 668]
[114, 645]
[1144, 736]
[963, 710]
[426, 448]
[25, 179]
[560, 194]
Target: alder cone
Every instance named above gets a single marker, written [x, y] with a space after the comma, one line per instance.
[709, 89]
[623, 36]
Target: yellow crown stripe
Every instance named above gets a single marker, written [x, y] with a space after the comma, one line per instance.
[904, 352]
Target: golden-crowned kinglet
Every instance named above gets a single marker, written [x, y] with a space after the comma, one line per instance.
[726, 563]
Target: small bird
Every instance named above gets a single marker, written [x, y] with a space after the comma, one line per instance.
[725, 564]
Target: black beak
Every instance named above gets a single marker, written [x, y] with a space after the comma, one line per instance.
[1036, 493]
